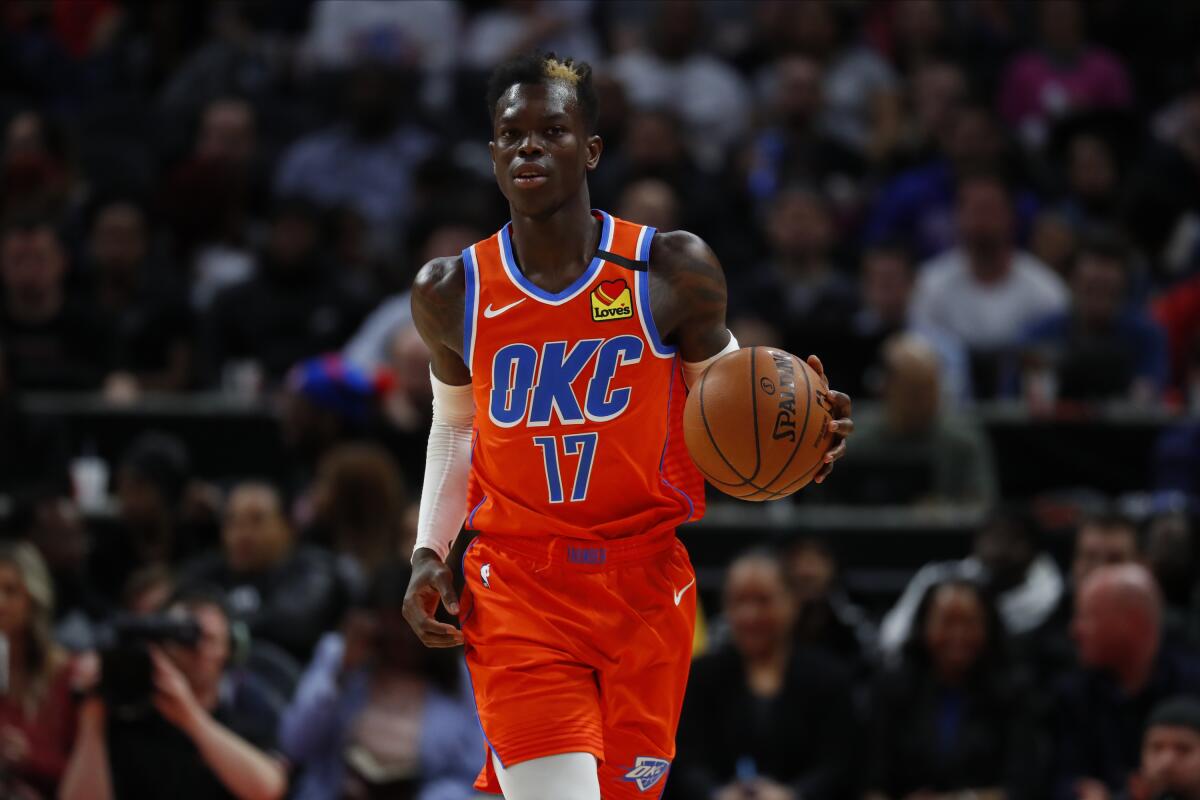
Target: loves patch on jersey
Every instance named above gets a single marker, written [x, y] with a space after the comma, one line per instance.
[611, 300]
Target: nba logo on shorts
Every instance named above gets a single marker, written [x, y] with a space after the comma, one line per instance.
[485, 573]
[647, 771]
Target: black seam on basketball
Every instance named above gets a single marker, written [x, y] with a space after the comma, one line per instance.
[754, 411]
[708, 477]
[804, 428]
[712, 439]
[784, 490]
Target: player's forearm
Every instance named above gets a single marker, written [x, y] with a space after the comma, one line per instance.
[447, 468]
[245, 771]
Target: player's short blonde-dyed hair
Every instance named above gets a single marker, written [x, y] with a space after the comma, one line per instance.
[535, 67]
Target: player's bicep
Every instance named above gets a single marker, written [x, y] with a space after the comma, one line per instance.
[696, 285]
[437, 309]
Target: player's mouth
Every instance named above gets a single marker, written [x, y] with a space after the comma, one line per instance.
[529, 176]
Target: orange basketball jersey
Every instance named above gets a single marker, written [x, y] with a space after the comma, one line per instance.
[578, 403]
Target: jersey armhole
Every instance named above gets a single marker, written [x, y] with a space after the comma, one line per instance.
[641, 280]
[470, 305]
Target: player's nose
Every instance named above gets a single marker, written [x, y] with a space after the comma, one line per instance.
[530, 145]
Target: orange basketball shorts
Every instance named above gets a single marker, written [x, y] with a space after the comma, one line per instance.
[580, 646]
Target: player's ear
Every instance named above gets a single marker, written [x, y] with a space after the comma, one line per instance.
[595, 146]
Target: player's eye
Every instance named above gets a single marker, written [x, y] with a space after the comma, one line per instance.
[556, 130]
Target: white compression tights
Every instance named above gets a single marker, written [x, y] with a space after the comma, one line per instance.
[570, 776]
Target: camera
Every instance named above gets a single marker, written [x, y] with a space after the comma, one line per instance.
[126, 671]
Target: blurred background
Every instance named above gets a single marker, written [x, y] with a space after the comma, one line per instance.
[983, 215]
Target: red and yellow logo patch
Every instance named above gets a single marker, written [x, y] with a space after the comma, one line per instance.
[611, 300]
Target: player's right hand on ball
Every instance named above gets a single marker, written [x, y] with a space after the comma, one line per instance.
[432, 582]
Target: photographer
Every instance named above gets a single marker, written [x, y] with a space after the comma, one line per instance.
[203, 734]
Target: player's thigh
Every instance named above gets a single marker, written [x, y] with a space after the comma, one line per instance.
[566, 776]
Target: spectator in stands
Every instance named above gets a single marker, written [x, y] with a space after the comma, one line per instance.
[367, 161]
[211, 198]
[146, 307]
[1170, 758]
[763, 716]
[37, 177]
[37, 716]
[1172, 554]
[825, 615]
[935, 91]
[1100, 347]
[799, 289]
[950, 718]
[518, 26]
[986, 291]
[293, 308]
[1065, 74]
[652, 202]
[285, 593]
[50, 342]
[151, 482]
[1007, 559]
[375, 709]
[911, 452]
[1101, 539]
[677, 72]
[1125, 671]
[1093, 181]
[359, 505]
[918, 205]
[796, 148]
[209, 735]
[1178, 311]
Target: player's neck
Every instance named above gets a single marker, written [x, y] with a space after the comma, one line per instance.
[555, 249]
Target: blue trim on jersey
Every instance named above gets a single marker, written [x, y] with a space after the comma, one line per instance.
[583, 280]
[479, 720]
[643, 290]
[471, 516]
[643, 253]
[469, 305]
[666, 440]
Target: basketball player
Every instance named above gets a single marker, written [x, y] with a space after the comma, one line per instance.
[561, 347]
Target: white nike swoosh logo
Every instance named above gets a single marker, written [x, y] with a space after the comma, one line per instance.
[679, 594]
[490, 312]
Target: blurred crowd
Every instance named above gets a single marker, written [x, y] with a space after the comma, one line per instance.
[955, 204]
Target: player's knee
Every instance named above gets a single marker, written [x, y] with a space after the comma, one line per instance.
[569, 776]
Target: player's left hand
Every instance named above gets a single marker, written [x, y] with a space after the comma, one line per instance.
[840, 426]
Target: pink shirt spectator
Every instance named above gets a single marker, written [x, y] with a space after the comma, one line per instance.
[1037, 89]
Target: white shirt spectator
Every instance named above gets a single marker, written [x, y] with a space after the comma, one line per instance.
[562, 27]
[984, 316]
[415, 33]
[710, 98]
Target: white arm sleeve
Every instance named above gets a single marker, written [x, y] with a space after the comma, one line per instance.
[447, 465]
[694, 369]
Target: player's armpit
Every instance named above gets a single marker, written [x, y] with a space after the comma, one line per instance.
[438, 306]
[688, 294]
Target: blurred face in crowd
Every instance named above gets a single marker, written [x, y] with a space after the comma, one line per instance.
[1061, 25]
[24, 136]
[760, 607]
[799, 227]
[1098, 545]
[1117, 616]
[650, 202]
[886, 284]
[798, 91]
[256, 533]
[1098, 287]
[539, 129]
[16, 606]
[203, 664]
[1006, 552]
[912, 386]
[372, 101]
[1091, 167]
[652, 140]
[955, 630]
[985, 220]
[118, 240]
[293, 238]
[919, 24]
[227, 133]
[811, 571]
[32, 265]
[141, 501]
[1170, 552]
[937, 88]
[1171, 761]
[972, 139]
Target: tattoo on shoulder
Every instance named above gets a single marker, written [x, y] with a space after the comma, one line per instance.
[438, 299]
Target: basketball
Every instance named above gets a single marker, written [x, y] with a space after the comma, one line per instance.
[757, 423]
